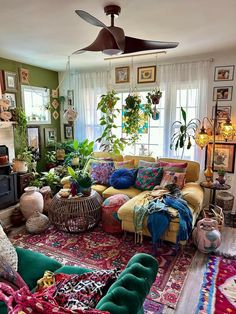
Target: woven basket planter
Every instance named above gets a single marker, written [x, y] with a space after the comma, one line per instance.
[75, 214]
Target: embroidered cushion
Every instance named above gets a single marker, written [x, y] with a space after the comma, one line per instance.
[148, 178]
[7, 250]
[101, 172]
[128, 164]
[144, 163]
[174, 166]
[171, 177]
[88, 168]
[123, 178]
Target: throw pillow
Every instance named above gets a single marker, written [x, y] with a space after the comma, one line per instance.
[122, 178]
[174, 166]
[171, 177]
[128, 164]
[7, 250]
[88, 168]
[148, 178]
[101, 172]
[143, 163]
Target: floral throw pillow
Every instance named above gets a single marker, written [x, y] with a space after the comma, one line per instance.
[101, 172]
[148, 178]
[171, 177]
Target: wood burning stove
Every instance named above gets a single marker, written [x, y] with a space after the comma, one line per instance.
[8, 181]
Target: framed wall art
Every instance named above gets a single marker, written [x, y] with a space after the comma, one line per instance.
[223, 93]
[223, 112]
[33, 138]
[146, 74]
[50, 136]
[24, 76]
[68, 131]
[122, 74]
[12, 99]
[9, 81]
[224, 156]
[224, 73]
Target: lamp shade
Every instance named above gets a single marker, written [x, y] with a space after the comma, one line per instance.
[202, 138]
[227, 130]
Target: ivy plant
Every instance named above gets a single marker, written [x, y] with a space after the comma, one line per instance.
[109, 141]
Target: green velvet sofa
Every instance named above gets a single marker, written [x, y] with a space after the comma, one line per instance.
[125, 296]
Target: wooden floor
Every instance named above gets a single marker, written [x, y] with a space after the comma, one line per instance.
[189, 297]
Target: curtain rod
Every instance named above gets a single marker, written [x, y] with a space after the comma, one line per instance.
[130, 55]
[186, 62]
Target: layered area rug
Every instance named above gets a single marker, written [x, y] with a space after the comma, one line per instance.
[99, 250]
[218, 292]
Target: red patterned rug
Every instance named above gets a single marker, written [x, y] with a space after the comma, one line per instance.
[218, 292]
[98, 250]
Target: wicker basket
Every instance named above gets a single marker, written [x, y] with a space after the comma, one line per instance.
[225, 200]
[214, 212]
[75, 214]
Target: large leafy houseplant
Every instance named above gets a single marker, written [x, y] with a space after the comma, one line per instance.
[81, 150]
[132, 116]
[109, 141]
[183, 132]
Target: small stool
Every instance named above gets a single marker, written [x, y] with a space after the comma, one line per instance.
[110, 220]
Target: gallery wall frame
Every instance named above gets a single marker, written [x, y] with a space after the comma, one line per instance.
[9, 81]
[12, 99]
[122, 74]
[224, 156]
[222, 93]
[50, 136]
[68, 131]
[146, 74]
[33, 137]
[224, 73]
[223, 112]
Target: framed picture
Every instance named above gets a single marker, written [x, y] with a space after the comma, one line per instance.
[54, 93]
[223, 93]
[146, 74]
[223, 112]
[24, 76]
[224, 156]
[12, 99]
[10, 81]
[50, 136]
[68, 131]
[33, 138]
[122, 74]
[224, 73]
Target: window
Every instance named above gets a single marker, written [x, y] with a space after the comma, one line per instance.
[35, 102]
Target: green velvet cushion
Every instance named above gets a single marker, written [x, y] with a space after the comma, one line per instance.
[3, 308]
[32, 265]
[72, 270]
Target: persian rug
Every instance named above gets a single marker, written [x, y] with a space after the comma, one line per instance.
[99, 250]
[218, 292]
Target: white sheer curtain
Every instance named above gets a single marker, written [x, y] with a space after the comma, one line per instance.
[87, 89]
[186, 85]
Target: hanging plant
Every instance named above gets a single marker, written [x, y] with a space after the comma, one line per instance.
[184, 132]
[109, 141]
[154, 96]
[132, 113]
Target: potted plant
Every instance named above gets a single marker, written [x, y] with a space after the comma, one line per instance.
[51, 179]
[51, 160]
[154, 96]
[23, 160]
[109, 141]
[80, 181]
[221, 176]
[184, 132]
[72, 158]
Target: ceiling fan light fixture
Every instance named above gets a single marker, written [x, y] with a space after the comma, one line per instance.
[112, 52]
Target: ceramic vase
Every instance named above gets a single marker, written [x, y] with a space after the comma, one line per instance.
[31, 201]
[221, 179]
[206, 235]
[47, 197]
[37, 223]
[208, 173]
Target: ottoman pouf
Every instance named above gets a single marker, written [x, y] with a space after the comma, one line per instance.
[110, 220]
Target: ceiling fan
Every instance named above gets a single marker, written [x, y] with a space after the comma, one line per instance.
[111, 40]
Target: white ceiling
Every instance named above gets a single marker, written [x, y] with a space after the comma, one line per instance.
[46, 32]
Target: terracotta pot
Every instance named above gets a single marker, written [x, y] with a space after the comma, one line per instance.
[19, 166]
[31, 201]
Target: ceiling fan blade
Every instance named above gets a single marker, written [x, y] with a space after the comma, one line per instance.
[136, 45]
[104, 41]
[119, 36]
[89, 18]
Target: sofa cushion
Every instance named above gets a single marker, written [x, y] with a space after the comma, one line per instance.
[101, 172]
[192, 171]
[128, 164]
[7, 250]
[31, 265]
[148, 178]
[66, 269]
[99, 188]
[193, 194]
[174, 166]
[171, 177]
[144, 163]
[130, 192]
[137, 158]
[123, 178]
[113, 156]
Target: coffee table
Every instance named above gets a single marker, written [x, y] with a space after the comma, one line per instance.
[75, 214]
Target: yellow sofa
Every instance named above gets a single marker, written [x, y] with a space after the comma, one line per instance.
[192, 193]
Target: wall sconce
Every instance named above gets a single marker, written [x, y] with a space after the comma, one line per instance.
[227, 130]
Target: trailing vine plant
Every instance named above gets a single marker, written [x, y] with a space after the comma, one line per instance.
[132, 116]
[109, 141]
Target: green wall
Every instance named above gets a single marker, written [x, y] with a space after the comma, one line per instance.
[38, 77]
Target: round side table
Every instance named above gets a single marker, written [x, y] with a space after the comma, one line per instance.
[214, 188]
[75, 214]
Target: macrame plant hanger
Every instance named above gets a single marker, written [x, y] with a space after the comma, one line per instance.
[156, 112]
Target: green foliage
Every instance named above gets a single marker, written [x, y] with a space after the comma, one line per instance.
[20, 138]
[109, 141]
[183, 132]
[83, 150]
[154, 96]
[221, 172]
[82, 179]
[132, 121]
[51, 179]
[50, 156]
